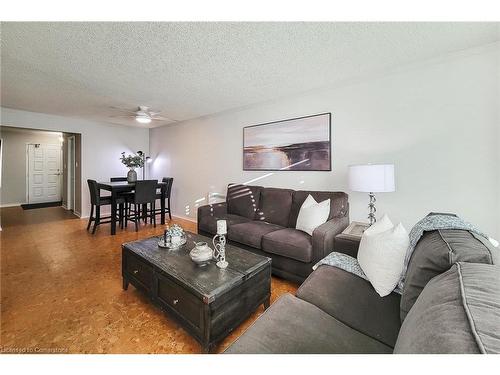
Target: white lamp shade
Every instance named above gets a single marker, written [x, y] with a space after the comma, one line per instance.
[372, 178]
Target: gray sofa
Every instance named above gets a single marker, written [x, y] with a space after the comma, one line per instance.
[450, 304]
[262, 220]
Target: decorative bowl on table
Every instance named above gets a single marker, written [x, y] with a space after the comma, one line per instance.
[201, 254]
[173, 237]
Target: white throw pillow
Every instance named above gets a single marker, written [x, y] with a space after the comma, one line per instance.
[381, 256]
[379, 226]
[312, 214]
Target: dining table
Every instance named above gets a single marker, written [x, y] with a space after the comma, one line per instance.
[117, 187]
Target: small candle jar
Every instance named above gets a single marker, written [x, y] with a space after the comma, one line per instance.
[221, 227]
[176, 240]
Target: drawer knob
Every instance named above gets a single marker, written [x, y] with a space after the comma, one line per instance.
[176, 301]
[136, 272]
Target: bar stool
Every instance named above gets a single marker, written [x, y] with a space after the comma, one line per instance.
[145, 193]
[127, 195]
[168, 190]
[96, 201]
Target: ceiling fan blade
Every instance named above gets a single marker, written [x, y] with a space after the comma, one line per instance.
[162, 118]
[124, 110]
[123, 116]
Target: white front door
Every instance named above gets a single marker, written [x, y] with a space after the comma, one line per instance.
[70, 204]
[44, 173]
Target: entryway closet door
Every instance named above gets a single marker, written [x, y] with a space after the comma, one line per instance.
[44, 173]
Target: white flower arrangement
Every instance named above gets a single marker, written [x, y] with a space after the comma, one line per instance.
[174, 230]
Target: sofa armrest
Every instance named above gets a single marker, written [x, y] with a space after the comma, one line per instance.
[323, 236]
[215, 209]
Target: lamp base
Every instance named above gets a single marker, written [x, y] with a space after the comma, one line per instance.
[372, 209]
[222, 264]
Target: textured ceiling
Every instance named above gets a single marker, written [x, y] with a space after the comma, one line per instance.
[188, 70]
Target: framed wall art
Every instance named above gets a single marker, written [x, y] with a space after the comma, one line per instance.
[298, 144]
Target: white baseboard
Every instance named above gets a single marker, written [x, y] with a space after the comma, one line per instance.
[184, 218]
[10, 205]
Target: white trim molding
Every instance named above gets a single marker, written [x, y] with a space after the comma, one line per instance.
[11, 204]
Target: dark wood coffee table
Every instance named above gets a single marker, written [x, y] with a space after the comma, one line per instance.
[207, 301]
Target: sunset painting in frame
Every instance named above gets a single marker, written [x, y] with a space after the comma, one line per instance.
[299, 144]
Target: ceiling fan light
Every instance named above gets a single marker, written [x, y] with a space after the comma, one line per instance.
[142, 119]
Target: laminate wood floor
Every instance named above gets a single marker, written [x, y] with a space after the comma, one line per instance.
[61, 290]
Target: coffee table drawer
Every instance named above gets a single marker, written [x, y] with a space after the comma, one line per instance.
[139, 270]
[178, 299]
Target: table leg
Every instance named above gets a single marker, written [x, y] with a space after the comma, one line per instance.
[113, 213]
[162, 203]
[125, 284]
[267, 303]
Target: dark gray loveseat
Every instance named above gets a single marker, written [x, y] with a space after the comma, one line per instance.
[263, 220]
[450, 304]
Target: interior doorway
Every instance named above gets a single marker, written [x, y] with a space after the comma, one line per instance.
[40, 168]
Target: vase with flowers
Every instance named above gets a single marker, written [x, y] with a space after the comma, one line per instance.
[132, 162]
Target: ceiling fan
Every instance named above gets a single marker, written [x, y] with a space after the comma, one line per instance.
[143, 115]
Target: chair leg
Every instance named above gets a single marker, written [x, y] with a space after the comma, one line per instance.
[136, 218]
[120, 215]
[91, 215]
[97, 219]
[169, 214]
[126, 214]
[153, 213]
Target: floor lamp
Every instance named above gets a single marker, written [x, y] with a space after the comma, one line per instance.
[145, 161]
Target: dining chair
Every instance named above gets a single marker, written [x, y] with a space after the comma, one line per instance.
[96, 202]
[127, 195]
[145, 193]
[168, 190]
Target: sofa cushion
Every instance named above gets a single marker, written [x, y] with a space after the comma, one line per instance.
[353, 301]
[243, 200]
[435, 253]
[209, 223]
[251, 233]
[457, 312]
[338, 204]
[290, 243]
[275, 205]
[294, 326]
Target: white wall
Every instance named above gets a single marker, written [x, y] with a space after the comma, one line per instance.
[101, 143]
[438, 121]
[13, 190]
